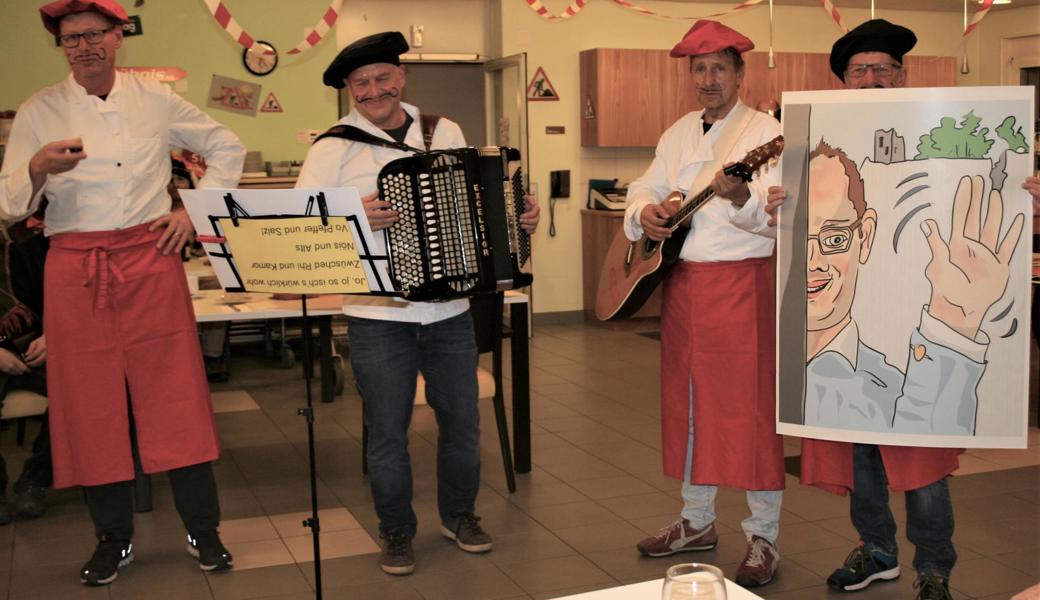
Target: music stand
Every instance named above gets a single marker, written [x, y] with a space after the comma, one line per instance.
[309, 251]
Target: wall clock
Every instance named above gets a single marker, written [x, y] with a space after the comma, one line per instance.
[261, 59]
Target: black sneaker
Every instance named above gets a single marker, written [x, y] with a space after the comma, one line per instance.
[30, 500]
[103, 566]
[465, 530]
[212, 555]
[932, 587]
[397, 557]
[863, 566]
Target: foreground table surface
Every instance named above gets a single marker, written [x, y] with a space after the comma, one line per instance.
[651, 590]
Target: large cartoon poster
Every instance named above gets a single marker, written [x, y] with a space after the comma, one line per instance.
[904, 266]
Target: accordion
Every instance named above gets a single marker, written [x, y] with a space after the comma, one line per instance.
[458, 232]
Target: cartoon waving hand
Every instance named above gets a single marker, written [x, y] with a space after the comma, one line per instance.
[970, 274]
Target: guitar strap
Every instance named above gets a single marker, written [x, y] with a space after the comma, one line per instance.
[741, 117]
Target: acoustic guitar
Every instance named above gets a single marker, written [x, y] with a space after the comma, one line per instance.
[632, 270]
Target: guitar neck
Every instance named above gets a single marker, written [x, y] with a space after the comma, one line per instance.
[689, 207]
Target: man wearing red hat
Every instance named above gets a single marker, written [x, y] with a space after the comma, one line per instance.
[871, 56]
[717, 338]
[123, 352]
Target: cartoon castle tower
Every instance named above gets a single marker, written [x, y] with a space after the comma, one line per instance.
[888, 147]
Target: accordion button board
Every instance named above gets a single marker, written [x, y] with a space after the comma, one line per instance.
[458, 233]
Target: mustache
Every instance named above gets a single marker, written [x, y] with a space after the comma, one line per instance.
[388, 94]
[709, 89]
[88, 56]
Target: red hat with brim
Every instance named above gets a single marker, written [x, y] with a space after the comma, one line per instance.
[53, 12]
[708, 37]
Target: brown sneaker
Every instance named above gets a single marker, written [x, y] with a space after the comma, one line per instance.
[397, 557]
[679, 537]
[759, 564]
[465, 530]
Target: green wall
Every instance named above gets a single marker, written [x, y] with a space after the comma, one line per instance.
[182, 33]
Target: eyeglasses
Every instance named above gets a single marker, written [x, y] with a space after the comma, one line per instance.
[93, 37]
[881, 70]
[835, 240]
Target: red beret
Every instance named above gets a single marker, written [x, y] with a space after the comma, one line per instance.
[707, 37]
[53, 12]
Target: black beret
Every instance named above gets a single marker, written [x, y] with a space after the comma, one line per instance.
[876, 35]
[386, 47]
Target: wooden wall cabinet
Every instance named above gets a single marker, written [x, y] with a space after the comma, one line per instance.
[629, 97]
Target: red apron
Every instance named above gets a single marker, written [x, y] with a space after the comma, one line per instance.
[118, 313]
[718, 332]
[828, 465]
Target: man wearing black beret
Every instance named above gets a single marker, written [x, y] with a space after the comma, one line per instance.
[392, 340]
[871, 56]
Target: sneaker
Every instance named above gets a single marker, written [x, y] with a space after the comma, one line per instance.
[932, 587]
[103, 567]
[212, 555]
[30, 500]
[467, 533]
[759, 563]
[679, 537]
[397, 557]
[862, 567]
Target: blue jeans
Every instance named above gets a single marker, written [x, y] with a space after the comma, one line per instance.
[386, 357]
[929, 515]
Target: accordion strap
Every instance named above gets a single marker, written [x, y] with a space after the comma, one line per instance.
[355, 134]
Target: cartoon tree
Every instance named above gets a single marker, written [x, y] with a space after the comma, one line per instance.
[950, 141]
[1015, 140]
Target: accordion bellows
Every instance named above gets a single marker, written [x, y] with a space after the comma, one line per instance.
[458, 232]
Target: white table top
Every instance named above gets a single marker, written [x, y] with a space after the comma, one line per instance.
[218, 305]
[651, 590]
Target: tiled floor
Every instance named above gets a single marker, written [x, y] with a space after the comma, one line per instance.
[595, 489]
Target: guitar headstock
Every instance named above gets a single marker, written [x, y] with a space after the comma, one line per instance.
[764, 153]
[756, 158]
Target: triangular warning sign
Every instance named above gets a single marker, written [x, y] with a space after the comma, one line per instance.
[590, 112]
[541, 88]
[271, 104]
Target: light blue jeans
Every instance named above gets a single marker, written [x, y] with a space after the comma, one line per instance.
[699, 501]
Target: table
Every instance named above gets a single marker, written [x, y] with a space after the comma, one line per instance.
[651, 590]
[211, 306]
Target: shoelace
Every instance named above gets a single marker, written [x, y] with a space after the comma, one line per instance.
[396, 544]
[858, 560]
[930, 586]
[666, 532]
[470, 524]
[756, 555]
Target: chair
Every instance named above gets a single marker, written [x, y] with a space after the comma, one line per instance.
[486, 310]
[19, 405]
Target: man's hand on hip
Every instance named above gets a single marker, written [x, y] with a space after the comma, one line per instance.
[178, 231]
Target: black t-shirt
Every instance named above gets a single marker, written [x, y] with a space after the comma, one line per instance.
[399, 133]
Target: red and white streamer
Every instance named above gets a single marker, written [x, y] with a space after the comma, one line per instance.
[744, 6]
[574, 8]
[979, 15]
[833, 12]
[231, 26]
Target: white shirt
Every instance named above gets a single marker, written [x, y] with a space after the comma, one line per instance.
[336, 162]
[719, 231]
[127, 139]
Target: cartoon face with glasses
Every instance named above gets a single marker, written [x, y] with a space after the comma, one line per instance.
[841, 233]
